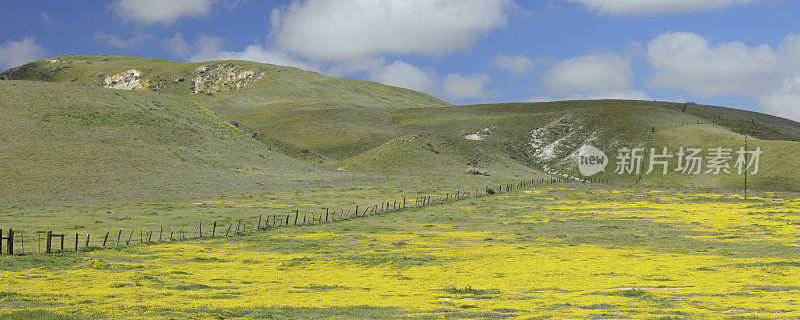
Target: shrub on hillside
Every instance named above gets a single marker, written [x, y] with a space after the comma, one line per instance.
[477, 172]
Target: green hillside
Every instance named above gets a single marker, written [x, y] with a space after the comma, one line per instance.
[561, 128]
[353, 125]
[509, 139]
[223, 85]
[70, 142]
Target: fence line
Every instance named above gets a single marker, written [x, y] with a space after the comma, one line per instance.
[54, 243]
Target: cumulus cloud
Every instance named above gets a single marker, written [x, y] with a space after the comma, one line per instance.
[595, 76]
[783, 102]
[17, 53]
[690, 63]
[517, 65]
[645, 7]
[210, 48]
[354, 29]
[160, 11]
[461, 87]
[405, 75]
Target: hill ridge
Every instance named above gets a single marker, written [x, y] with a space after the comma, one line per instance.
[352, 125]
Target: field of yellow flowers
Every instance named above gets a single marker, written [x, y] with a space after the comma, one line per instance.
[558, 252]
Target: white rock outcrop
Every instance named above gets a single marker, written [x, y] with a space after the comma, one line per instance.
[128, 80]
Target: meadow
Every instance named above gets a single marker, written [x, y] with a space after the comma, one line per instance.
[229, 141]
[548, 252]
[97, 217]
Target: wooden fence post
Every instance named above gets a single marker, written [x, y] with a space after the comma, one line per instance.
[201, 229]
[214, 229]
[259, 222]
[49, 241]
[105, 239]
[10, 241]
[87, 241]
[1, 241]
[76, 241]
[118, 236]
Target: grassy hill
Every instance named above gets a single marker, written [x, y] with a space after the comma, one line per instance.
[510, 139]
[223, 85]
[69, 142]
[365, 126]
[561, 128]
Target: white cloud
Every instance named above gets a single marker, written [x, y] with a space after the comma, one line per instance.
[210, 48]
[471, 86]
[405, 75]
[783, 102]
[160, 11]
[354, 29]
[176, 45]
[517, 65]
[137, 39]
[17, 53]
[595, 76]
[645, 7]
[690, 63]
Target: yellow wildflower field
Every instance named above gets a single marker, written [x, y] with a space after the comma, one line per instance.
[562, 252]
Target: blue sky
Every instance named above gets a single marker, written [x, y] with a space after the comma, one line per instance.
[738, 53]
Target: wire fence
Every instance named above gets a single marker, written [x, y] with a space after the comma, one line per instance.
[49, 242]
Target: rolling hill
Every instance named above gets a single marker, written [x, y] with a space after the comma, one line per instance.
[510, 139]
[316, 123]
[225, 85]
[73, 142]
